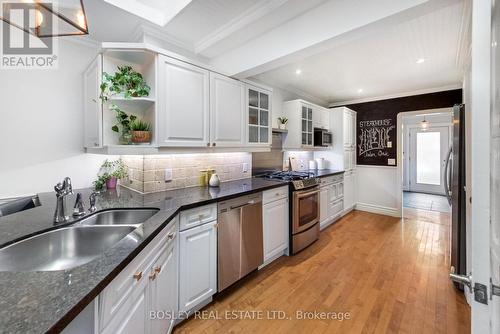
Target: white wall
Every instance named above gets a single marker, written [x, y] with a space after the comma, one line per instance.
[41, 137]
[377, 189]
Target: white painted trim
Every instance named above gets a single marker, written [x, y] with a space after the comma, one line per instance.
[373, 166]
[144, 30]
[394, 96]
[464, 37]
[254, 13]
[399, 153]
[382, 210]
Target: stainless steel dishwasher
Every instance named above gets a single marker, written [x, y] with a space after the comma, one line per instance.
[239, 233]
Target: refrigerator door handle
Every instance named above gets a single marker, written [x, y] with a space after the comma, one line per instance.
[447, 175]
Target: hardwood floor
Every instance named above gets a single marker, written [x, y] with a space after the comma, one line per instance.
[391, 275]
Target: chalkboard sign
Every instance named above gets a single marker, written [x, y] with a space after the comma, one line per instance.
[377, 120]
[376, 141]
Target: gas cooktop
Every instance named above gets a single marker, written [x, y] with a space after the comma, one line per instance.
[300, 180]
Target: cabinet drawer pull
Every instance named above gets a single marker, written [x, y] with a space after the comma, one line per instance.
[157, 269]
[152, 276]
[170, 236]
[138, 276]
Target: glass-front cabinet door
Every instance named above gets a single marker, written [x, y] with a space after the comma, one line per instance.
[259, 116]
[307, 125]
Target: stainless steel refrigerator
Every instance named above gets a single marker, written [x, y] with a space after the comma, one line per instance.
[454, 183]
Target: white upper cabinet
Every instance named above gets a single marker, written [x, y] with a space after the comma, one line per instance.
[258, 114]
[303, 117]
[321, 118]
[227, 111]
[92, 116]
[183, 115]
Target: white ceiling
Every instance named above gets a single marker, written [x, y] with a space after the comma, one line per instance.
[382, 63]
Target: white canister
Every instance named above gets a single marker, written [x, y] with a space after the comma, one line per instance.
[214, 180]
[313, 165]
[321, 163]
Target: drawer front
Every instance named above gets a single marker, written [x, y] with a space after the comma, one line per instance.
[197, 216]
[274, 194]
[336, 208]
[331, 179]
[121, 291]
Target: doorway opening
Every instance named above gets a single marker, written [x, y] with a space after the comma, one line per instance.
[426, 139]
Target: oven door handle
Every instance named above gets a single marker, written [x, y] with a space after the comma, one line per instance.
[309, 193]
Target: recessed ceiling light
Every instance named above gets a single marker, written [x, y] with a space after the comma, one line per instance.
[360, 90]
[298, 71]
[420, 60]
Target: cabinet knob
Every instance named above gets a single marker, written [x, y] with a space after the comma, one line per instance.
[208, 144]
[152, 276]
[170, 236]
[137, 276]
[213, 144]
[157, 269]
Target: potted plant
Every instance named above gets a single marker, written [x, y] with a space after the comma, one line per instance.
[126, 81]
[282, 123]
[123, 124]
[140, 131]
[109, 174]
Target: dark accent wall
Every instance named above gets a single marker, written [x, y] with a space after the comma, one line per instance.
[377, 121]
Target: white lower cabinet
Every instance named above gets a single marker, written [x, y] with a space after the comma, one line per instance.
[331, 200]
[198, 265]
[147, 284]
[275, 222]
[349, 190]
[163, 291]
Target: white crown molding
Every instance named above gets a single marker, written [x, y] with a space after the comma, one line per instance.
[394, 96]
[257, 11]
[143, 31]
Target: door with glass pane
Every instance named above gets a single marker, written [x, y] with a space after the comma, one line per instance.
[259, 114]
[428, 154]
[307, 126]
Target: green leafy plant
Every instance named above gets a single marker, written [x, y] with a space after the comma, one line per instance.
[139, 125]
[126, 81]
[282, 120]
[123, 119]
[109, 169]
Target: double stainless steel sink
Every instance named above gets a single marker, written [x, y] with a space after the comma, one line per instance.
[75, 245]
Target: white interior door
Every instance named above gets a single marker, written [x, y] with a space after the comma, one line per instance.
[428, 154]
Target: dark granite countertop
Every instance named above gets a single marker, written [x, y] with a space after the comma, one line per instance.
[37, 302]
[325, 172]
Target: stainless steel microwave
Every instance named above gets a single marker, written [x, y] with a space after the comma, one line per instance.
[322, 137]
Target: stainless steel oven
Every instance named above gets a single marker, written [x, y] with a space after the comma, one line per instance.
[305, 218]
[322, 137]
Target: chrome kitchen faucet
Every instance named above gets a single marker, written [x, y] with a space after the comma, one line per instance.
[62, 190]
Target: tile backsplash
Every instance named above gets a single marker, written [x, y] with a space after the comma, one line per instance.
[147, 173]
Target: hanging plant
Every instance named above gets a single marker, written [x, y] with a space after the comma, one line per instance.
[123, 122]
[126, 81]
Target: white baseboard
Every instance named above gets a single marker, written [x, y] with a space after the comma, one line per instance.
[383, 210]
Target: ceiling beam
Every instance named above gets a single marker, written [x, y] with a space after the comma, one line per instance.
[331, 24]
[254, 13]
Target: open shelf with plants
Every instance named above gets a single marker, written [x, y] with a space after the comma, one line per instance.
[128, 96]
